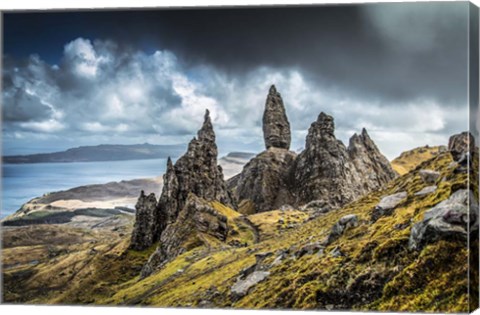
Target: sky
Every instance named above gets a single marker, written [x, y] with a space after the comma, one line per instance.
[124, 77]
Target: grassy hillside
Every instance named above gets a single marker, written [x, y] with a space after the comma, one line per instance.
[409, 160]
[369, 267]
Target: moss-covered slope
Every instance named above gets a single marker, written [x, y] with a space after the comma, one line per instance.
[368, 267]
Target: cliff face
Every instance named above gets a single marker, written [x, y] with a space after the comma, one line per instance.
[196, 172]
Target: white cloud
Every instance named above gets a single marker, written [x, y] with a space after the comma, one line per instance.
[100, 93]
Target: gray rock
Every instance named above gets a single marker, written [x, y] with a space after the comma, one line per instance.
[387, 205]
[196, 172]
[196, 217]
[327, 170]
[460, 145]
[426, 190]
[265, 180]
[451, 218]
[318, 206]
[145, 231]
[429, 176]
[241, 287]
[336, 252]
[276, 128]
[310, 249]
[339, 228]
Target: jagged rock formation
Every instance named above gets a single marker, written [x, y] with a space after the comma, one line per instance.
[195, 172]
[327, 170]
[369, 162]
[276, 128]
[197, 217]
[264, 181]
[146, 226]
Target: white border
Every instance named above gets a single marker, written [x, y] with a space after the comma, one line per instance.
[86, 4]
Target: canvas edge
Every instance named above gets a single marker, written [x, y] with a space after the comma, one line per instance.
[473, 99]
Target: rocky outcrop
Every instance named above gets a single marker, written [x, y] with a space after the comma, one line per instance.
[196, 172]
[276, 128]
[460, 145]
[145, 231]
[326, 170]
[196, 218]
[369, 162]
[450, 219]
[265, 181]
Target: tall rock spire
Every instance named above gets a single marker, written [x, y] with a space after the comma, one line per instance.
[276, 128]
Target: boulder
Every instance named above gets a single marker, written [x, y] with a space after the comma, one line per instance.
[339, 228]
[429, 176]
[426, 191]
[450, 219]
[387, 204]
[241, 287]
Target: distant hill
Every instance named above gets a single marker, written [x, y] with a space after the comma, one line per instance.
[103, 152]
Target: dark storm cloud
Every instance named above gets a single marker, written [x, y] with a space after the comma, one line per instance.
[397, 69]
[394, 51]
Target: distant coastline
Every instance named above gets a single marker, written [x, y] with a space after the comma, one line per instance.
[99, 153]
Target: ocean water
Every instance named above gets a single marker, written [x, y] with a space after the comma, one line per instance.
[22, 182]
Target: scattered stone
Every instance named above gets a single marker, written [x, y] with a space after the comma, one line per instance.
[286, 208]
[241, 287]
[387, 204]
[310, 249]
[259, 258]
[336, 252]
[429, 176]
[317, 206]
[276, 128]
[339, 228]
[280, 257]
[450, 218]
[426, 191]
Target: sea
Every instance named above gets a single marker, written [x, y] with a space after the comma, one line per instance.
[23, 182]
